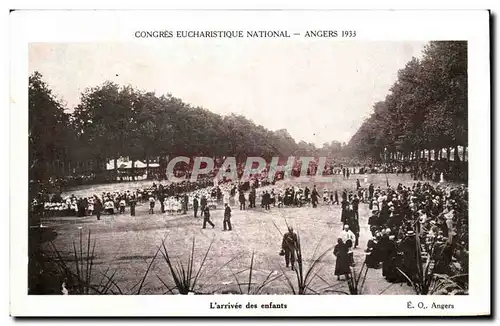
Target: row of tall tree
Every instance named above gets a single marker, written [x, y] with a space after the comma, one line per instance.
[424, 112]
[115, 121]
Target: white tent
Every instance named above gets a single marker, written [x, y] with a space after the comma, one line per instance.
[140, 165]
[119, 163]
[125, 165]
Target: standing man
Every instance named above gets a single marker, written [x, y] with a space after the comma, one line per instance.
[133, 202]
[242, 200]
[161, 197]
[251, 198]
[314, 197]
[353, 223]
[195, 206]
[206, 217]
[373, 221]
[98, 207]
[185, 201]
[306, 194]
[355, 206]
[289, 246]
[370, 191]
[267, 200]
[227, 217]
[203, 203]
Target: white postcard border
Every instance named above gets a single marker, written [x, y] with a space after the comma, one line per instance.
[118, 26]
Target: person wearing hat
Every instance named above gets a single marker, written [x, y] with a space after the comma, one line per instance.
[342, 259]
[373, 221]
[409, 249]
[195, 205]
[289, 246]
[353, 223]
[252, 197]
[161, 198]
[314, 197]
[355, 206]
[205, 211]
[242, 200]
[227, 218]
[388, 256]
[371, 190]
[373, 251]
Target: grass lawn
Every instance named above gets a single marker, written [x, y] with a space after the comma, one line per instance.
[126, 244]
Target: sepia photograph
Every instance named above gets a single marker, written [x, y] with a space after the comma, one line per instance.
[349, 168]
[235, 164]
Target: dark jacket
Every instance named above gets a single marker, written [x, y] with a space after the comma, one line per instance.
[227, 212]
[289, 241]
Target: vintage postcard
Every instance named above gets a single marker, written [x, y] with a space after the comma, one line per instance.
[228, 162]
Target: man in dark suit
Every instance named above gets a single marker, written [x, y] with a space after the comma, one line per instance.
[185, 203]
[314, 197]
[203, 202]
[206, 217]
[242, 200]
[267, 200]
[227, 217]
[195, 206]
[289, 246]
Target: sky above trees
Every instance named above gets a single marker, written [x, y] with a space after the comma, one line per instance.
[318, 90]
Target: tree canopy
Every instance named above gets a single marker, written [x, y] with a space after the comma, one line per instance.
[426, 108]
[113, 121]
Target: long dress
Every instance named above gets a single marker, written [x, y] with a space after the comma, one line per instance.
[389, 259]
[342, 261]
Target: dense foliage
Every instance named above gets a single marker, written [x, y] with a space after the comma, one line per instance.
[113, 121]
[426, 108]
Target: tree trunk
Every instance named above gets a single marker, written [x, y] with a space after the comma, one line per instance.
[133, 170]
[456, 156]
[115, 162]
[448, 154]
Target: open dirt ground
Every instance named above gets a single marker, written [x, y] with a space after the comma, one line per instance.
[126, 244]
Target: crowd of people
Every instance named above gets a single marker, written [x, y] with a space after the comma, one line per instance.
[405, 221]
